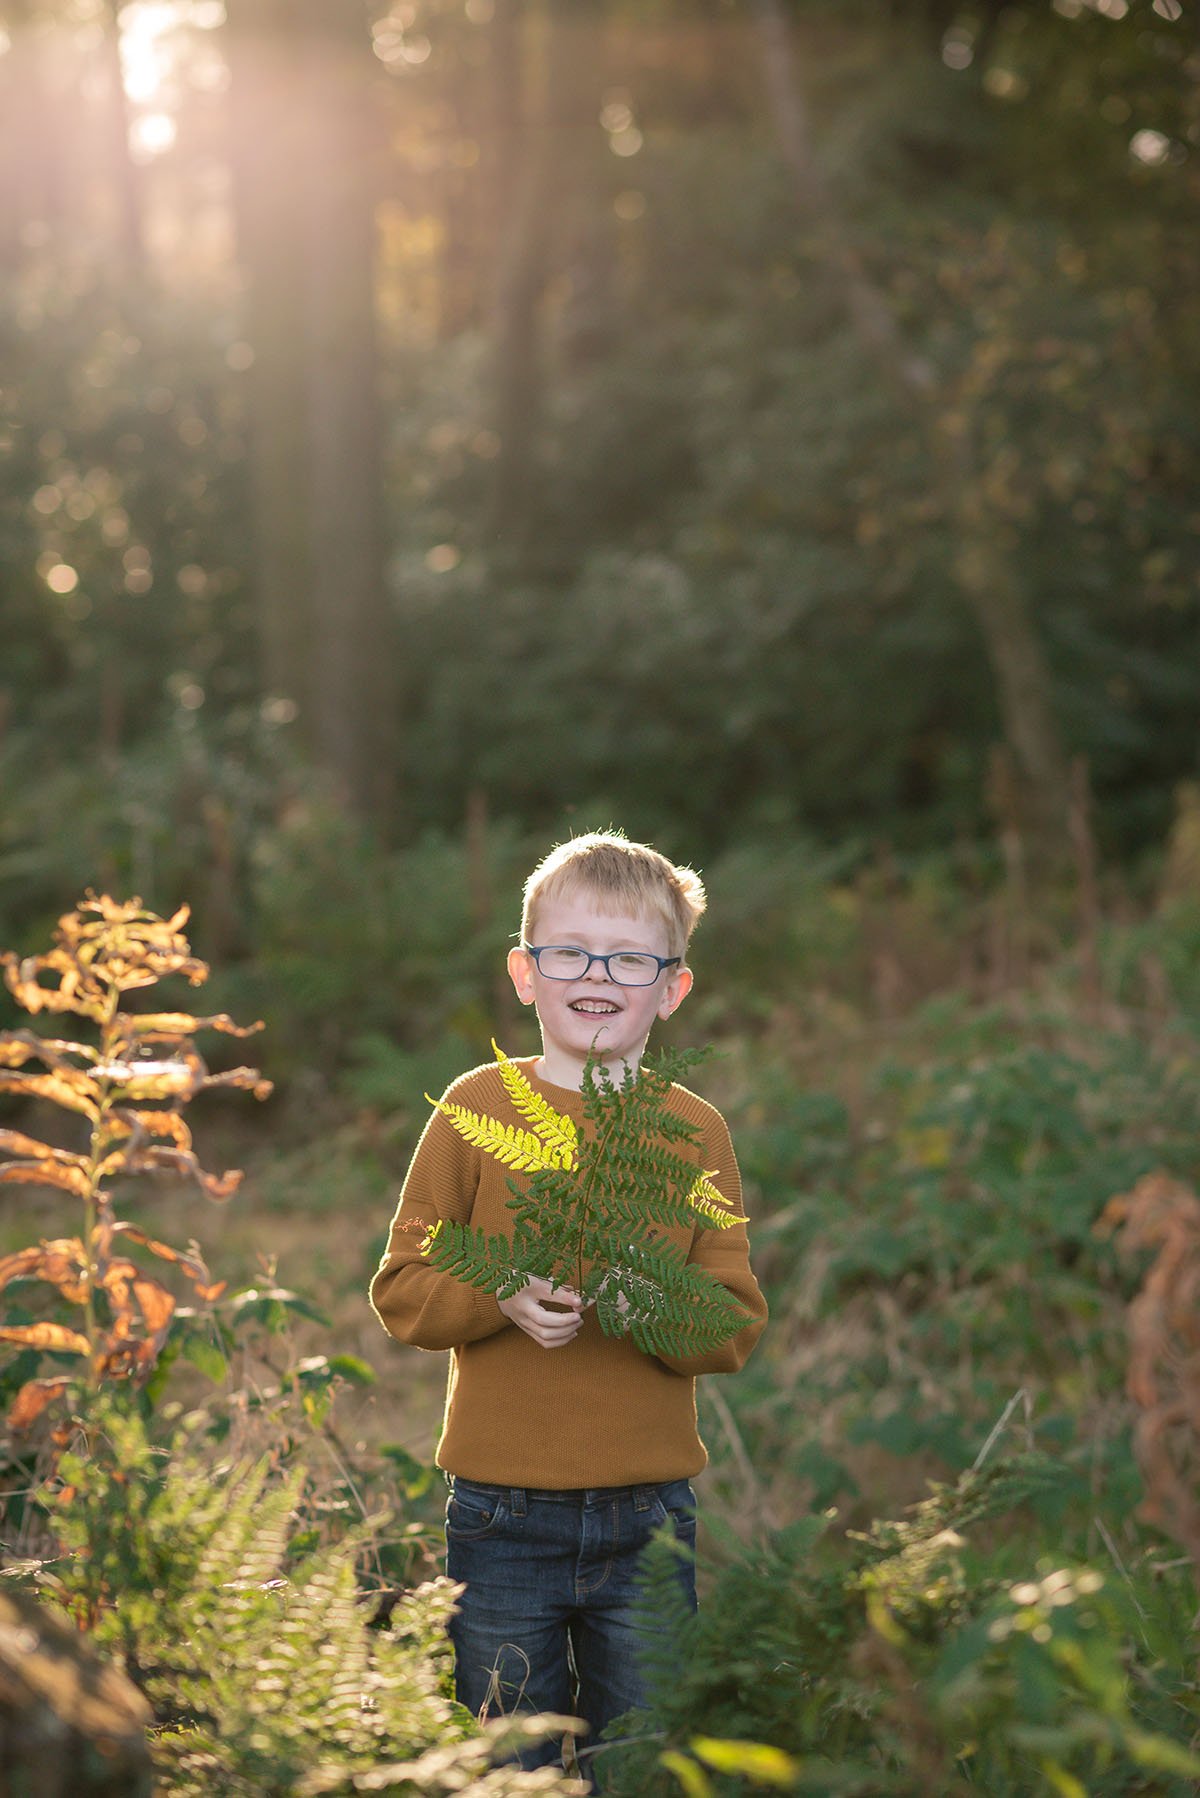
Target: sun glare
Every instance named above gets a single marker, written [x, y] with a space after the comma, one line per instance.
[157, 49]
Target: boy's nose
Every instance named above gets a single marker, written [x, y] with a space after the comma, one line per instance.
[597, 971]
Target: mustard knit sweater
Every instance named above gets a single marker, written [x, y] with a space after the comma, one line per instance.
[597, 1412]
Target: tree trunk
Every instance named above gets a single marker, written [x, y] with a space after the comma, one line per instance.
[353, 709]
[556, 129]
[266, 102]
[32, 179]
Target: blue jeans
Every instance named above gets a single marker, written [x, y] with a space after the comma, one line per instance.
[548, 1621]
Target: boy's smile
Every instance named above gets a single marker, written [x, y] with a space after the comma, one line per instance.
[591, 1013]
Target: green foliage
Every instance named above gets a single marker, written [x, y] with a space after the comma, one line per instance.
[595, 1210]
[935, 1251]
[252, 1643]
[897, 1662]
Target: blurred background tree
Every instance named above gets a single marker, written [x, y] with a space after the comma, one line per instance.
[730, 416]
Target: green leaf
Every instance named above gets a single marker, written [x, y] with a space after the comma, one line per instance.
[205, 1354]
[353, 1369]
[273, 1307]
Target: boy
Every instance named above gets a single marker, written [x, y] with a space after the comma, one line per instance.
[565, 1448]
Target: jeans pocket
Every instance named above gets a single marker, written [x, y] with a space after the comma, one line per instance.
[474, 1512]
[676, 1503]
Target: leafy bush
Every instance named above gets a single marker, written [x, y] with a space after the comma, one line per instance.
[130, 1089]
[202, 1579]
[936, 1250]
[908, 1661]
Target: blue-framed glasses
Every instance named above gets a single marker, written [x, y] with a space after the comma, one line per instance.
[624, 967]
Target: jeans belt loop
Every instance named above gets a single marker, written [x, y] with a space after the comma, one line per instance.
[643, 1497]
[517, 1498]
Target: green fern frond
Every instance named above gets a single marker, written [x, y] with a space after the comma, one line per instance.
[556, 1130]
[595, 1207]
[483, 1261]
[511, 1146]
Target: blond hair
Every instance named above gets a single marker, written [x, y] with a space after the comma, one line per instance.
[624, 879]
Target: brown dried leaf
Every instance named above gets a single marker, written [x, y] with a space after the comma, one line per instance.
[168, 1124]
[66, 1087]
[46, 1173]
[191, 1262]
[16, 1144]
[118, 1280]
[1164, 1362]
[247, 1079]
[157, 1307]
[124, 946]
[46, 1336]
[126, 1285]
[20, 1264]
[170, 1024]
[19, 1046]
[173, 1076]
[32, 1400]
[60, 1262]
[71, 993]
[182, 1161]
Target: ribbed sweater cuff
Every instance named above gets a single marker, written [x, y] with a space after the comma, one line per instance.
[487, 1316]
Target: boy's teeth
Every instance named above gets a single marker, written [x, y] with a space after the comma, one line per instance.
[598, 1005]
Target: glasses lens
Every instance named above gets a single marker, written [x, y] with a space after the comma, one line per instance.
[633, 970]
[562, 964]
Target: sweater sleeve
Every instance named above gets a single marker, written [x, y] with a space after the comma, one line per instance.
[726, 1255]
[413, 1301]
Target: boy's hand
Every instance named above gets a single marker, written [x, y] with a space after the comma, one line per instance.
[530, 1310]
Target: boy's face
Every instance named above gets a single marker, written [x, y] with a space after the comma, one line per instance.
[592, 1009]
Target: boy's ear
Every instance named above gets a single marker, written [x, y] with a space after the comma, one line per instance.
[675, 991]
[520, 972]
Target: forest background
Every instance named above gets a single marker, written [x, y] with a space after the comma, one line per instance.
[770, 427]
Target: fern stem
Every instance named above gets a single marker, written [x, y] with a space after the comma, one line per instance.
[91, 1204]
[599, 1147]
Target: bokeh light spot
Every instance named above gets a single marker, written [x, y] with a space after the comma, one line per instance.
[958, 52]
[1150, 147]
[151, 135]
[239, 357]
[279, 710]
[192, 580]
[442, 558]
[626, 143]
[629, 204]
[62, 578]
